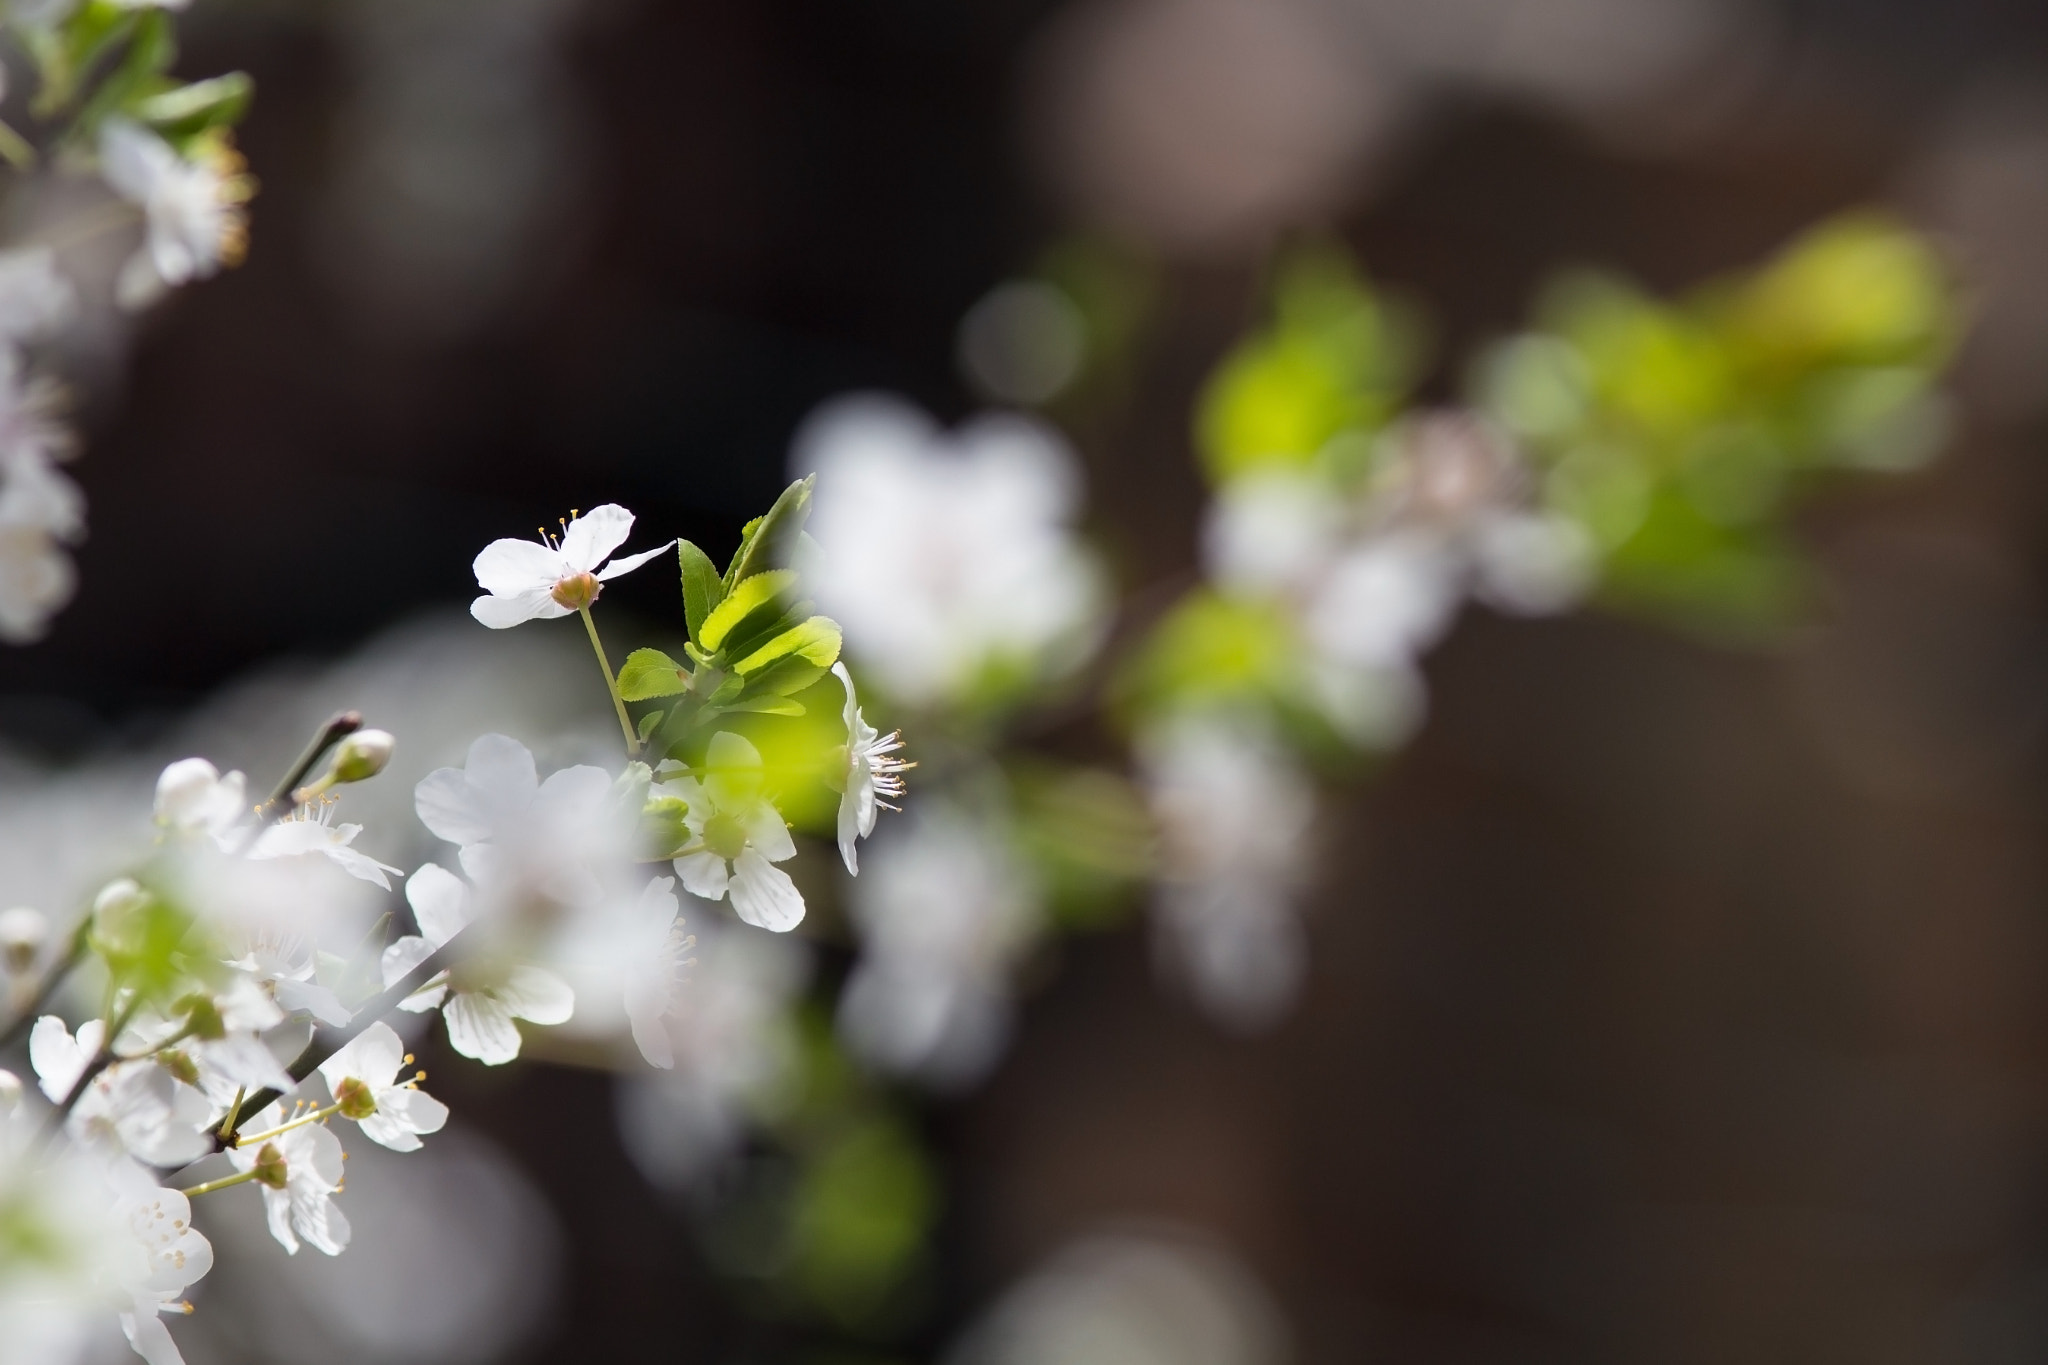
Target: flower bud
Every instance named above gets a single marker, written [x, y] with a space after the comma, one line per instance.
[10, 1093]
[577, 591]
[22, 934]
[361, 755]
[121, 896]
[184, 790]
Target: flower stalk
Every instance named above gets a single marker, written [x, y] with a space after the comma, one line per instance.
[611, 683]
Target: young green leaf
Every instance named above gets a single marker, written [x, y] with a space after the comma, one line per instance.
[758, 593]
[649, 673]
[188, 109]
[816, 640]
[790, 673]
[768, 706]
[647, 724]
[702, 588]
[768, 540]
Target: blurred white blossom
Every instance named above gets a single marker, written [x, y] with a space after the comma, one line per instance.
[194, 219]
[732, 1045]
[943, 915]
[948, 555]
[1234, 812]
[737, 835]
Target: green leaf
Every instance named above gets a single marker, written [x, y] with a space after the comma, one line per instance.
[150, 54]
[703, 590]
[757, 592]
[790, 673]
[189, 109]
[816, 640]
[648, 722]
[768, 706]
[649, 673]
[768, 540]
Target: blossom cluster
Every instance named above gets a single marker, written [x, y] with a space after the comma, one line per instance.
[254, 974]
[166, 170]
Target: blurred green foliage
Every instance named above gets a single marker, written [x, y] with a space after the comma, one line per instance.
[1679, 433]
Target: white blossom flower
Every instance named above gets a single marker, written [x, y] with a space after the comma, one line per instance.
[523, 839]
[943, 914]
[35, 297]
[364, 1080]
[732, 1046]
[525, 580]
[871, 773]
[478, 999]
[738, 836]
[313, 831]
[626, 957]
[166, 1255]
[89, 1241]
[949, 554]
[1233, 810]
[299, 1171]
[136, 1108]
[192, 797]
[195, 222]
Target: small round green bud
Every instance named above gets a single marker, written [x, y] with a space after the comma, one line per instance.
[202, 1017]
[180, 1066]
[22, 934]
[363, 754]
[270, 1166]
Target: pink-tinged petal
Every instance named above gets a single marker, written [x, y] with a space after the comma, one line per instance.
[764, 896]
[451, 807]
[704, 874]
[507, 568]
[541, 996]
[631, 562]
[441, 905]
[502, 613]
[592, 537]
[480, 1027]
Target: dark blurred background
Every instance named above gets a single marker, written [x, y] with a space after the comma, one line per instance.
[1669, 1003]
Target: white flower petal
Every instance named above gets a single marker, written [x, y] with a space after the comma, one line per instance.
[502, 613]
[541, 996]
[440, 904]
[480, 1027]
[704, 874]
[508, 568]
[763, 895]
[594, 535]
[631, 562]
[373, 1056]
[450, 807]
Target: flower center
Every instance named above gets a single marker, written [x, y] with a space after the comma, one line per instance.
[355, 1099]
[725, 836]
[577, 591]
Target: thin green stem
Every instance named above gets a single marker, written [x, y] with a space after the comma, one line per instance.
[208, 1187]
[611, 683]
[314, 1116]
[227, 1123]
